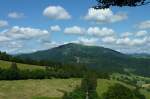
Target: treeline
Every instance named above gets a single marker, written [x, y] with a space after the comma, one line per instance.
[66, 71]
[14, 73]
[52, 69]
[6, 57]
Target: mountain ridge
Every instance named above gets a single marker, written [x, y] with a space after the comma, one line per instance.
[99, 58]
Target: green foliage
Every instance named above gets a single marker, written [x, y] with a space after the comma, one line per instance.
[10, 74]
[138, 94]
[102, 4]
[89, 82]
[119, 91]
[14, 73]
[76, 94]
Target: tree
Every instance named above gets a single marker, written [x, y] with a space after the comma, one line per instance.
[14, 66]
[89, 84]
[13, 72]
[76, 94]
[87, 89]
[102, 4]
[119, 91]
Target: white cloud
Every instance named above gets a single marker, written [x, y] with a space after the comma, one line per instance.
[144, 25]
[55, 28]
[74, 30]
[4, 38]
[22, 39]
[127, 34]
[131, 42]
[104, 16]
[16, 15]
[87, 41]
[141, 33]
[17, 32]
[96, 31]
[3, 23]
[110, 39]
[48, 45]
[15, 45]
[56, 12]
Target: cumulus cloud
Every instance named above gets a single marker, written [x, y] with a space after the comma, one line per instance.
[104, 16]
[3, 23]
[56, 12]
[16, 15]
[128, 39]
[74, 30]
[96, 31]
[87, 41]
[48, 45]
[131, 42]
[110, 39]
[21, 39]
[14, 45]
[55, 28]
[141, 33]
[4, 38]
[144, 25]
[127, 34]
[17, 32]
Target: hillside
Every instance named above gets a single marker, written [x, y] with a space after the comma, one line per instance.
[99, 58]
[36, 89]
[6, 64]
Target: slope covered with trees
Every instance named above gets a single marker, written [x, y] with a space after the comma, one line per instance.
[98, 58]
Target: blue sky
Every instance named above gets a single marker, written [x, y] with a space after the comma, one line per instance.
[31, 25]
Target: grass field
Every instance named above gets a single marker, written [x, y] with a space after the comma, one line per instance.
[48, 88]
[6, 64]
[36, 89]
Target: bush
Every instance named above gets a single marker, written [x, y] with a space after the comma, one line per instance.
[76, 94]
[119, 91]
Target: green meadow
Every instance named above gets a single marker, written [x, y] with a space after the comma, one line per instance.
[48, 88]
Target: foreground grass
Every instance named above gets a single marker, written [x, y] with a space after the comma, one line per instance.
[50, 88]
[6, 64]
[36, 89]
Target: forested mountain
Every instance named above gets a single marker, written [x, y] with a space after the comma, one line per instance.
[98, 58]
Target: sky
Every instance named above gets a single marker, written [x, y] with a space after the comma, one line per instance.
[31, 25]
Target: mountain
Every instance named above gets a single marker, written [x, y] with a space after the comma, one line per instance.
[98, 58]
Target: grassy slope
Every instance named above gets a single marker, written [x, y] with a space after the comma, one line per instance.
[42, 89]
[32, 89]
[6, 64]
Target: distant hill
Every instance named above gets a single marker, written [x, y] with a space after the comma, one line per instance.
[141, 55]
[98, 58]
